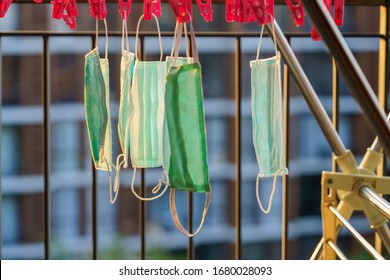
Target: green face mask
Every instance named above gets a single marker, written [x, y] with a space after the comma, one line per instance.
[125, 106]
[97, 109]
[267, 118]
[146, 123]
[188, 167]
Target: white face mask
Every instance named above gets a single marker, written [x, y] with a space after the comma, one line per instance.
[267, 118]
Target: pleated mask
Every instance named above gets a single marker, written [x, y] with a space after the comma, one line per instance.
[146, 122]
[267, 118]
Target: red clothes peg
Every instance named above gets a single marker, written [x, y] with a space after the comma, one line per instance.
[182, 10]
[124, 8]
[314, 34]
[297, 12]
[97, 9]
[263, 10]
[59, 8]
[152, 7]
[67, 10]
[338, 15]
[4, 5]
[71, 14]
[239, 11]
[205, 10]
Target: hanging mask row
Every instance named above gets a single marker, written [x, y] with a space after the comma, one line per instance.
[161, 121]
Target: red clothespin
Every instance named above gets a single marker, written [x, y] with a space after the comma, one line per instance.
[71, 14]
[124, 8]
[338, 15]
[248, 14]
[314, 34]
[297, 12]
[263, 10]
[59, 7]
[38, 1]
[4, 5]
[230, 11]
[97, 9]
[152, 7]
[205, 10]
[182, 10]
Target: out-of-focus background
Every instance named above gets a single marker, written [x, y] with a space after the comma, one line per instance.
[119, 230]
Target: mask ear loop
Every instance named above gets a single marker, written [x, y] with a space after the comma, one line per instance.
[137, 35]
[260, 40]
[155, 189]
[271, 198]
[175, 217]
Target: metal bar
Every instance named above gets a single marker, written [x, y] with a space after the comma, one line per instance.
[46, 144]
[285, 196]
[238, 148]
[308, 92]
[378, 202]
[351, 71]
[384, 233]
[190, 242]
[337, 250]
[142, 213]
[1, 126]
[335, 106]
[94, 196]
[206, 34]
[356, 234]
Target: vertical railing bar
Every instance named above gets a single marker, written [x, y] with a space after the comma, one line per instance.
[142, 187]
[285, 204]
[190, 243]
[46, 144]
[238, 148]
[94, 194]
[1, 126]
[383, 87]
[335, 106]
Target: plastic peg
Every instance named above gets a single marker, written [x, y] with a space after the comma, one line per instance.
[338, 15]
[182, 10]
[205, 10]
[152, 7]
[124, 8]
[297, 12]
[4, 5]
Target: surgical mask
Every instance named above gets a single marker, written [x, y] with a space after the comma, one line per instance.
[146, 122]
[267, 119]
[125, 105]
[188, 167]
[97, 108]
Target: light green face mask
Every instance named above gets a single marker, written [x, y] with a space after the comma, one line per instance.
[267, 118]
[125, 106]
[97, 109]
[146, 122]
[147, 94]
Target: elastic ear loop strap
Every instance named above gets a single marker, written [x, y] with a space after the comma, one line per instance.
[260, 40]
[271, 198]
[155, 190]
[177, 40]
[159, 36]
[175, 217]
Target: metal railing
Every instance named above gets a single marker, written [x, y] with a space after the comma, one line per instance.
[350, 71]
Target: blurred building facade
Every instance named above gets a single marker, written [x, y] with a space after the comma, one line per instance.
[118, 227]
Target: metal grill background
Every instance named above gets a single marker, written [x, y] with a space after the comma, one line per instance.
[46, 36]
